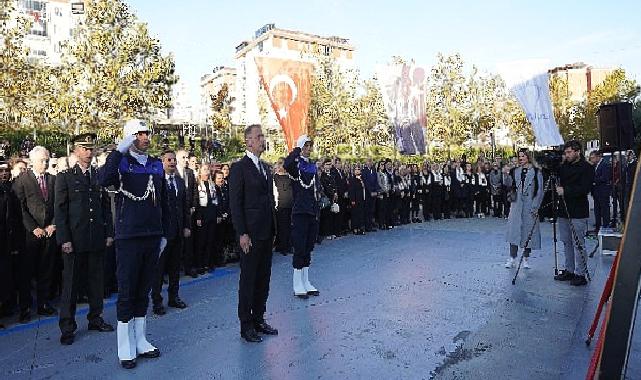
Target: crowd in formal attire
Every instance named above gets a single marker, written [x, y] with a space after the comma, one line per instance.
[80, 228]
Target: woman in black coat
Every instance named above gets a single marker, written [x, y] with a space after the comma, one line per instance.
[328, 220]
[357, 199]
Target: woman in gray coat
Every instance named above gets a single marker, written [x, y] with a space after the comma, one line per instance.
[529, 187]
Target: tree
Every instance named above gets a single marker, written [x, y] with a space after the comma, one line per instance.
[113, 70]
[24, 83]
[448, 102]
[346, 111]
[221, 107]
[577, 120]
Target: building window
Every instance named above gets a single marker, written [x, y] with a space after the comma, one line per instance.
[57, 12]
[77, 8]
[38, 53]
[327, 50]
[260, 46]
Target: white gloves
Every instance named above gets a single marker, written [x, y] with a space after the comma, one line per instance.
[125, 143]
[163, 245]
[300, 143]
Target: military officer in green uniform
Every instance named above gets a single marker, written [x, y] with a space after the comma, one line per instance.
[84, 229]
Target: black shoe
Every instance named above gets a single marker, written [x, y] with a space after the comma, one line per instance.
[202, 271]
[150, 354]
[266, 329]
[47, 310]
[83, 299]
[100, 325]
[564, 276]
[251, 336]
[192, 273]
[66, 339]
[128, 364]
[177, 303]
[25, 315]
[579, 281]
[159, 310]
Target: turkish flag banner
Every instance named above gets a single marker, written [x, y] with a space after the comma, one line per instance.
[288, 85]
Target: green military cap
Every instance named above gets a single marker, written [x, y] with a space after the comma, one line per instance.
[87, 140]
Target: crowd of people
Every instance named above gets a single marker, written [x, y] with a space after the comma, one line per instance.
[70, 225]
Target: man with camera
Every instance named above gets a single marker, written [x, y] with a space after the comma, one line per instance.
[576, 177]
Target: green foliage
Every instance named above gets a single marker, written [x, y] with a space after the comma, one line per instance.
[577, 120]
[221, 109]
[345, 111]
[111, 70]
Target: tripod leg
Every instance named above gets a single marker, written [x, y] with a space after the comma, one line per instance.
[518, 269]
[556, 257]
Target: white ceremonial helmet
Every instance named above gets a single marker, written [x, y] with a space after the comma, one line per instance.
[300, 143]
[133, 126]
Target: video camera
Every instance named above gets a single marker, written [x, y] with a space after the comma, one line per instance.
[550, 159]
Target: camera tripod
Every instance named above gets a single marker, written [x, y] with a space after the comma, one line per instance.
[553, 180]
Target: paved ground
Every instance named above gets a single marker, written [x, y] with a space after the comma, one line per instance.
[426, 301]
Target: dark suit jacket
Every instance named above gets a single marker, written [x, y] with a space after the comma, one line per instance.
[178, 216]
[37, 212]
[191, 188]
[602, 179]
[11, 229]
[251, 200]
[82, 211]
[209, 213]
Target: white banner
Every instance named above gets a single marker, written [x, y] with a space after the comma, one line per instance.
[403, 89]
[528, 80]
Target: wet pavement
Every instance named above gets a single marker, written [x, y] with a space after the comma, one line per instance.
[424, 301]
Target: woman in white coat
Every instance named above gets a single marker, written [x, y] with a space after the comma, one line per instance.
[523, 219]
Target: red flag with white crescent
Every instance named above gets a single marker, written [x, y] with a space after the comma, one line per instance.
[288, 85]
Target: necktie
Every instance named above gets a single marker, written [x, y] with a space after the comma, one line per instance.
[172, 188]
[261, 170]
[43, 186]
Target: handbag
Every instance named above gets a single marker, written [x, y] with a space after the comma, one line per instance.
[324, 202]
[335, 208]
[511, 196]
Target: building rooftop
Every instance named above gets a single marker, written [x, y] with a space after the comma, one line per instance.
[270, 29]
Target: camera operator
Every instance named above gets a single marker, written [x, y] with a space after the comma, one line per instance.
[576, 177]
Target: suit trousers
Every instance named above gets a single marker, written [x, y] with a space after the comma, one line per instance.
[136, 268]
[73, 264]
[370, 210]
[38, 261]
[602, 210]
[304, 230]
[206, 244]
[168, 262]
[110, 268]
[253, 289]
[283, 229]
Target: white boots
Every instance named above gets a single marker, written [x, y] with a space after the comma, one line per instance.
[302, 287]
[126, 344]
[143, 347]
[132, 342]
[509, 263]
[311, 290]
[299, 288]
[526, 264]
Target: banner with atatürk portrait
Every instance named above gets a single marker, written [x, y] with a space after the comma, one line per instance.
[402, 86]
[288, 85]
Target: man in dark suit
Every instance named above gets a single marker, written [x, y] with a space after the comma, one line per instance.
[176, 226]
[84, 230]
[601, 190]
[35, 190]
[11, 236]
[191, 200]
[252, 211]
